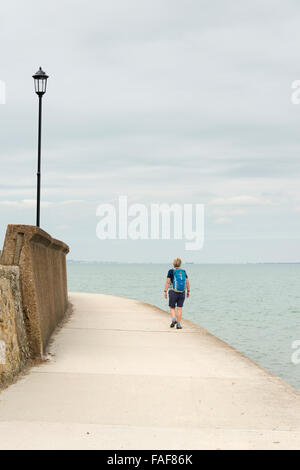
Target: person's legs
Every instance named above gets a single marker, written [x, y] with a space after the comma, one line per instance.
[180, 302]
[173, 313]
[172, 304]
[179, 314]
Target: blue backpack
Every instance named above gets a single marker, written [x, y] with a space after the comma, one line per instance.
[179, 280]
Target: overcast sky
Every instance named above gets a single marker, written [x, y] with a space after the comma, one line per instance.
[163, 101]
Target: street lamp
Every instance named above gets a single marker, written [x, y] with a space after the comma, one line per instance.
[40, 85]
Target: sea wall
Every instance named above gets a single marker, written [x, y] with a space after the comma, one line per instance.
[14, 348]
[41, 261]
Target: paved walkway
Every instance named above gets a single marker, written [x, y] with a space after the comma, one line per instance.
[120, 378]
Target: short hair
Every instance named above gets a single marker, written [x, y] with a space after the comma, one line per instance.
[177, 263]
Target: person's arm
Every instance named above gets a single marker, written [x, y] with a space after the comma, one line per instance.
[188, 287]
[168, 281]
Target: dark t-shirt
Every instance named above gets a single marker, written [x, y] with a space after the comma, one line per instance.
[171, 276]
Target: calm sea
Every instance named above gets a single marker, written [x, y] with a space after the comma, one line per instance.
[255, 308]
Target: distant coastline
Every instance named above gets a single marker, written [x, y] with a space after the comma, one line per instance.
[72, 261]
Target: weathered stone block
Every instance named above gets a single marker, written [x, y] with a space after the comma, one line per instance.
[43, 278]
[14, 349]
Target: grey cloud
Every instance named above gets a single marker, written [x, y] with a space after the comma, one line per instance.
[147, 96]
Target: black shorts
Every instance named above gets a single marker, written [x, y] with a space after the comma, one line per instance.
[176, 298]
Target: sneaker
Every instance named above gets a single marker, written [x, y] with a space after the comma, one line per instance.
[179, 327]
[173, 324]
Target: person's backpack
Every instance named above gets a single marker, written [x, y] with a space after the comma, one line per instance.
[179, 280]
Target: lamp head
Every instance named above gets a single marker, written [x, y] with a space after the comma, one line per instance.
[40, 82]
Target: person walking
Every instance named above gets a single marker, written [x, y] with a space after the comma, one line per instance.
[176, 284]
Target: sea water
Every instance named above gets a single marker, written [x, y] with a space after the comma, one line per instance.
[253, 307]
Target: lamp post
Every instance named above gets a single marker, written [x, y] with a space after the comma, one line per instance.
[40, 85]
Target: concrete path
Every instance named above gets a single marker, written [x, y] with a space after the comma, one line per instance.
[120, 378]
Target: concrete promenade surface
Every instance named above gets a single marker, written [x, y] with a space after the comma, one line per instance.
[119, 378]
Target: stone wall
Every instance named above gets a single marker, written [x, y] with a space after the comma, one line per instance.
[43, 281]
[14, 349]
